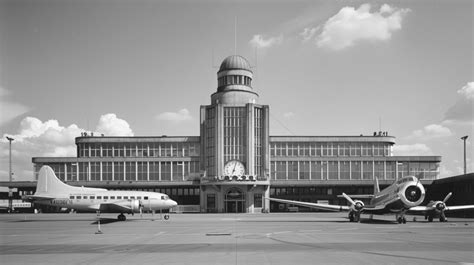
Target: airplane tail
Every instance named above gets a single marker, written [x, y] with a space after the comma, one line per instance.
[376, 186]
[48, 183]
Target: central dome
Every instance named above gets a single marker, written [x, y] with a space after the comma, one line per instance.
[235, 62]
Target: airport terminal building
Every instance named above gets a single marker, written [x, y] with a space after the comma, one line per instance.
[234, 163]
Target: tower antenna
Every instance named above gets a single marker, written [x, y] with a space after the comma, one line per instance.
[235, 36]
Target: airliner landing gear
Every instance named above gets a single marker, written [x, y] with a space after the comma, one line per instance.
[354, 216]
[401, 220]
[442, 217]
[121, 217]
[430, 218]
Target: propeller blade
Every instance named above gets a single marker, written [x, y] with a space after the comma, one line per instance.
[447, 197]
[348, 198]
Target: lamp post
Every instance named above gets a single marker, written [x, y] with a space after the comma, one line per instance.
[10, 191]
[464, 138]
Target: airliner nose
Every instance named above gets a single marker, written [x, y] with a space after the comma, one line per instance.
[172, 203]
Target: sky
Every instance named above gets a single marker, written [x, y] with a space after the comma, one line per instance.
[143, 68]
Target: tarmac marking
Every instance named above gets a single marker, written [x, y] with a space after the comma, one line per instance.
[160, 233]
[347, 229]
[309, 231]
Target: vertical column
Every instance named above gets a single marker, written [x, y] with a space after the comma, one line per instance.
[219, 140]
[250, 159]
[113, 169]
[100, 167]
[148, 169]
[124, 170]
[202, 128]
[266, 142]
[65, 172]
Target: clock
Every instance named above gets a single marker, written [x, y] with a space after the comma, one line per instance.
[234, 168]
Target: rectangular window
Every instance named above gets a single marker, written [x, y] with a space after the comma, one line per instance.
[78, 197]
[165, 171]
[316, 168]
[106, 197]
[304, 170]
[99, 197]
[119, 197]
[118, 171]
[355, 170]
[257, 200]
[344, 167]
[280, 169]
[92, 197]
[71, 197]
[292, 169]
[332, 170]
[367, 170]
[211, 202]
[130, 173]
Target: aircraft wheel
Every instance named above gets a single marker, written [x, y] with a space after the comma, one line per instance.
[167, 216]
[443, 219]
[399, 220]
[121, 217]
[430, 218]
[351, 217]
[404, 220]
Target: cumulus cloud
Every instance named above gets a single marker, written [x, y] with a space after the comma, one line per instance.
[350, 26]
[258, 41]
[411, 149]
[9, 110]
[432, 131]
[467, 91]
[180, 116]
[462, 111]
[110, 125]
[36, 138]
[308, 33]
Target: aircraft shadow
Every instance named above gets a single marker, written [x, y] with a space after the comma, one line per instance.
[104, 221]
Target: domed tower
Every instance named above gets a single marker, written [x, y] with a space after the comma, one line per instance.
[234, 143]
[234, 82]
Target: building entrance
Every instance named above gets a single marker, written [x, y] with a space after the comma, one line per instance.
[234, 201]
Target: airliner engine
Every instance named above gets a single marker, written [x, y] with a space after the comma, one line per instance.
[412, 194]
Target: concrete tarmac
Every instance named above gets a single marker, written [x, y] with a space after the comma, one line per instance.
[275, 238]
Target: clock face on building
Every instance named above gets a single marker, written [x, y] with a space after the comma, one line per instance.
[234, 168]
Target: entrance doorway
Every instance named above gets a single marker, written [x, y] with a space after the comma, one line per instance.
[234, 201]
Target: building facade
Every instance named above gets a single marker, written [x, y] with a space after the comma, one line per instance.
[234, 163]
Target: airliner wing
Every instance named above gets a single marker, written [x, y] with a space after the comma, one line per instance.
[358, 196]
[110, 207]
[459, 207]
[421, 209]
[319, 206]
[448, 208]
[38, 197]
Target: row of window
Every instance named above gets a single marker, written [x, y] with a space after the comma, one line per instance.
[126, 171]
[348, 170]
[138, 149]
[315, 149]
[111, 197]
[234, 80]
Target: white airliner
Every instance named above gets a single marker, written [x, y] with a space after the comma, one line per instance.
[406, 194]
[53, 192]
